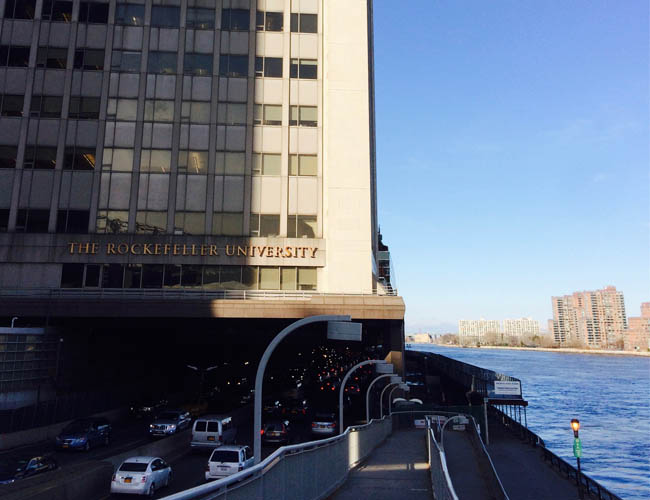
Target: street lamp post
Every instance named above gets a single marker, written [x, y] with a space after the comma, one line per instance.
[259, 377]
[13, 320]
[381, 396]
[577, 451]
[394, 379]
[345, 379]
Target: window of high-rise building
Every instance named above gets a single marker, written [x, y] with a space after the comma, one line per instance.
[233, 66]
[57, 10]
[303, 165]
[20, 9]
[302, 226]
[72, 221]
[267, 114]
[14, 55]
[30, 220]
[265, 225]
[88, 59]
[269, 21]
[304, 23]
[51, 57]
[93, 12]
[267, 164]
[162, 62]
[304, 116]
[235, 20]
[304, 68]
[197, 64]
[129, 14]
[126, 61]
[79, 158]
[84, 108]
[46, 106]
[11, 105]
[8, 155]
[200, 19]
[40, 157]
[268, 67]
[165, 17]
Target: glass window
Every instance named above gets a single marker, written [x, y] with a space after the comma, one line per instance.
[272, 114]
[200, 19]
[32, 221]
[72, 221]
[123, 60]
[268, 66]
[93, 273]
[93, 12]
[40, 157]
[265, 225]
[235, 19]
[165, 17]
[46, 106]
[231, 113]
[193, 162]
[8, 155]
[301, 226]
[129, 14]
[304, 23]
[112, 221]
[269, 278]
[20, 9]
[152, 276]
[50, 57]
[191, 276]
[133, 276]
[305, 116]
[210, 280]
[150, 222]
[85, 108]
[198, 64]
[155, 160]
[189, 223]
[119, 160]
[288, 278]
[307, 278]
[158, 110]
[227, 224]
[231, 277]
[57, 10]
[233, 66]
[267, 164]
[303, 165]
[162, 62]
[11, 105]
[172, 276]
[72, 275]
[249, 277]
[112, 276]
[13, 55]
[89, 59]
[304, 68]
[195, 111]
[234, 163]
[78, 158]
[123, 109]
[269, 21]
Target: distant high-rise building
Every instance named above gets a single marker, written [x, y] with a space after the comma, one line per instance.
[520, 327]
[637, 337]
[596, 318]
[478, 328]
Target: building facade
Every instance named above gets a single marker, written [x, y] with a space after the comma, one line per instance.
[205, 144]
[592, 318]
[637, 337]
[477, 329]
[520, 327]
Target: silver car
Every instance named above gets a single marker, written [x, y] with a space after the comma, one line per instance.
[141, 476]
[170, 422]
[324, 424]
[228, 460]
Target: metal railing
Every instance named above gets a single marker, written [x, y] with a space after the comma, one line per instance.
[443, 489]
[182, 293]
[306, 471]
[589, 486]
[485, 462]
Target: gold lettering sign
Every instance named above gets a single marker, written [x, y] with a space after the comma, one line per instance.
[185, 250]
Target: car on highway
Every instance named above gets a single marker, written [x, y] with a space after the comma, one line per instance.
[147, 407]
[84, 434]
[211, 431]
[295, 409]
[324, 424]
[15, 468]
[141, 476]
[228, 460]
[276, 432]
[170, 422]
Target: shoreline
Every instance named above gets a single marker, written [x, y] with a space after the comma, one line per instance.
[565, 350]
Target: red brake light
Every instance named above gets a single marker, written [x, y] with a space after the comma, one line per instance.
[261, 432]
[333, 388]
[313, 424]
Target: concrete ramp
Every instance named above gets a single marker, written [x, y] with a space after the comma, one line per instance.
[397, 469]
[463, 465]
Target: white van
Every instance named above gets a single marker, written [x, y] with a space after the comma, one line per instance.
[211, 431]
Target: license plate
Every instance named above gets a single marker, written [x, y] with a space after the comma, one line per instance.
[210, 438]
[65, 445]
[224, 467]
[274, 433]
[127, 479]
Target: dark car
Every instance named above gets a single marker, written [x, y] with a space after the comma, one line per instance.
[295, 409]
[19, 468]
[84, 434]
[148, 408]
[276, 432]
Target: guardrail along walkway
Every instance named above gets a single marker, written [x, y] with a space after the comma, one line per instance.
[396, 469]
[522, 470]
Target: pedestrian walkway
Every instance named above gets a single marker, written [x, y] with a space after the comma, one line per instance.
[522, 470]
[397, 469]
[462, 464]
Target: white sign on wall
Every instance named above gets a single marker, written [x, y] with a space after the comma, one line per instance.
[507, 387]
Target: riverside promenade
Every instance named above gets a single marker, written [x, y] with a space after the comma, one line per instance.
[399, 469]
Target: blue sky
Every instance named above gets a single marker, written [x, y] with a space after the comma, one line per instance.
[513, 160]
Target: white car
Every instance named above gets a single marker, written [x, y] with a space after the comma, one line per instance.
[228, 460]
[141, 476]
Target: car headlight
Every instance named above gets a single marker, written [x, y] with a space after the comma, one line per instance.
[171, 427]
[150, 426]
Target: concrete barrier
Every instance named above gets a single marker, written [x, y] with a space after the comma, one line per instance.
[12, 440]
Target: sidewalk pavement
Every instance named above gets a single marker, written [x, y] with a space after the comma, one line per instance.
[396, 469]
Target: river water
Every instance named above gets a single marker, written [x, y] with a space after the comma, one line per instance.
[610, 395]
